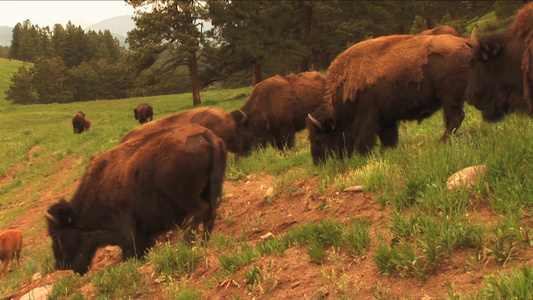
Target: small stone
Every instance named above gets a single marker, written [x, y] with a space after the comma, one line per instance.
[270, 192]
[355, 189]
[466, 177]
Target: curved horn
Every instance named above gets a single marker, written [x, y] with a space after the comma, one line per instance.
[244, 116]
[473, 37]
[314, 121]
[51, 218]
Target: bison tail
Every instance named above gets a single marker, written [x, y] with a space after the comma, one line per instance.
[217, 173]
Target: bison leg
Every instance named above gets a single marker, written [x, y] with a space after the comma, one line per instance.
[453, 116]
[197, 212]
[367, 129]
[388, 135]
[5, 265]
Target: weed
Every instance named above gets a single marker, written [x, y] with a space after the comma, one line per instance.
[179, 259]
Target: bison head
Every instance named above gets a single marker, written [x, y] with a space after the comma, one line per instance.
[136, 113]
[495, 82]
[244, 132]
[326, 136]
[67, 240]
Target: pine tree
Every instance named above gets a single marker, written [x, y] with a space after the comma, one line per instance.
[21, 88]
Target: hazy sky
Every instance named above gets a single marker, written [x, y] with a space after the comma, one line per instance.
[48, 13]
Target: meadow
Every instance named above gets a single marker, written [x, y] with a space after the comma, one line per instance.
[423, 231]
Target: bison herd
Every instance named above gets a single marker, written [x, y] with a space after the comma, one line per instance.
[169, 172]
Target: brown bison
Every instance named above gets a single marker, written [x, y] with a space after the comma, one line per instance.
[445, 29]
[10, 247]
[376, 83]
[143, 112]
[217, 120]
[133, 192]
[277, 109]
[501, 73]
[79, 123]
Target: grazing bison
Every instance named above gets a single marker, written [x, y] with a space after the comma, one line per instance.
[277, 109]
[143, 112]
[79, 123]
[217, 120]
[376, 83]
[133, 192]
[500, 79]
[445, 29]
[10, 246]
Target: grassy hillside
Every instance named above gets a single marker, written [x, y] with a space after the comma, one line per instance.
[7, 68]
[422, 232]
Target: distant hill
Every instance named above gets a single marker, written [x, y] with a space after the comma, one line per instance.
[6, 33]
[118, 26]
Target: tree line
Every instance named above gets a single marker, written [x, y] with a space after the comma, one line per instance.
[186, 46]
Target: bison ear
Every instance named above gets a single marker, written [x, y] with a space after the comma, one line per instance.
[61, 214]
[239, 116]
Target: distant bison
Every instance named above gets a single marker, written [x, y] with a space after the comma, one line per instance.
[217, 120]
[445, 29]
[133, 192]
[79, 123]
[144, 113]
[10, 247]
[376, 83]
[501, 74]
[277, 109]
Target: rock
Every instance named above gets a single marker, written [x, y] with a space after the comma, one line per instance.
[355, 189]
[36, 276]
[320, 294]
[270, 192]
[467, 177]
[266, 236]
[40, 293]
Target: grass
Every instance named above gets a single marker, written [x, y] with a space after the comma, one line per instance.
[428, 223]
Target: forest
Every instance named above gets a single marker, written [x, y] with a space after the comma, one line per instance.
[189, 46]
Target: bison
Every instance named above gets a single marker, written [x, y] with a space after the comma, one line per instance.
[10, 247]
[215, 119]
[133, 192]
[500, 79]
[277, 109]
[376, 83]
[143, 112]
[445, 29]
[79, 123]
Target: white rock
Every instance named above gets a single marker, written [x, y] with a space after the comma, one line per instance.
[467, 177]
[355, 189]
[40, 293]
[270, 192]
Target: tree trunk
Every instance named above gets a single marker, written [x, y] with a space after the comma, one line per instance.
[195, 81]
[257, 76]
[304, 66]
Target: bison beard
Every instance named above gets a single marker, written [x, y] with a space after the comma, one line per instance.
[144, 113]
[134, 192]
[500, 79]
[377, 83]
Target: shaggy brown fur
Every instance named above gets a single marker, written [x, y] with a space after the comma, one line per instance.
[277, 108]
[523, 29]
[441, 30]
[364, 63]
[79, 123]
[144, 113]
[10, 247]
[217, 120]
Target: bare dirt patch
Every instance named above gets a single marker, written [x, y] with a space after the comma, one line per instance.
[246, 212]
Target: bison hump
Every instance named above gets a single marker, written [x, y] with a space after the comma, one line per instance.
[395, 58]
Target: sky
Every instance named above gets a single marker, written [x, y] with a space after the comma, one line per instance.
[48, 13]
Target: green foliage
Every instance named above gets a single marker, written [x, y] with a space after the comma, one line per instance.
[175, 260]
[119, 281]
[229, 263]
[517, 284]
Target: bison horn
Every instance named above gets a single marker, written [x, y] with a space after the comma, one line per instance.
[51, 218]
[473, 37]
[244, 116]
[314, 121]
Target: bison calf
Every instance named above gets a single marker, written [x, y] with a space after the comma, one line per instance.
[79, 123]
[10, 246]
[144, 113]
[135, 191]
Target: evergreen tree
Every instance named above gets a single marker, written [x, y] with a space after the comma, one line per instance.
[21, 88]
[49, 81]
[177, 26]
